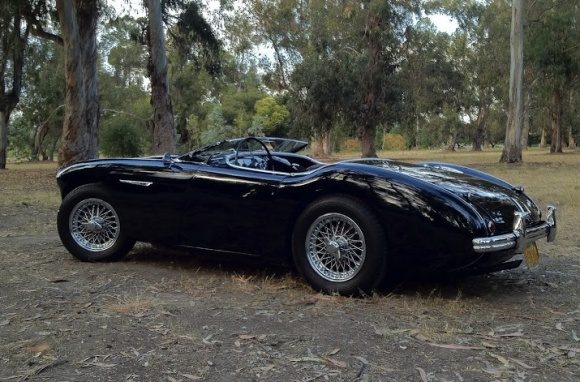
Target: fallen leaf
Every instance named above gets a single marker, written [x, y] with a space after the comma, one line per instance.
[422, 374]
[42, 347]
[560, 327]
[33, 317]
[100, 364]
[334, 351]
[501, 359]
[207, 341]
[456, 346]
[519, 333]
[522, 364]
[191, 377]
[575, 336]
[495, 372]
[10, 377]
[335, 362]
[362, 359]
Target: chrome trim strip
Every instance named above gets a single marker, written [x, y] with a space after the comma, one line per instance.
[521, 236]
[136, 182]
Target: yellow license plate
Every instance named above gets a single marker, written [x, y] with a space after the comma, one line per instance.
[532, 255]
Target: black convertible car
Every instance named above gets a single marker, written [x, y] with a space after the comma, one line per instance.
[343, 225]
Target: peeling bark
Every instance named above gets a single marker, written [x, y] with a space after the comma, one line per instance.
[164, 128]
[79, 140]
[526, 126]
[512, 151]
[3, 139]
[367, 141]
[479, 134]
[556, 143]
[326, 144]
[13, 45]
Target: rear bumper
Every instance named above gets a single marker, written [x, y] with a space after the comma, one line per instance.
[521, 237]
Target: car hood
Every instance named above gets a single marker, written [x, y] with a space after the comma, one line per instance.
[493, 197]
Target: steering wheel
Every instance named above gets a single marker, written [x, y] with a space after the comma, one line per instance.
[248, 139]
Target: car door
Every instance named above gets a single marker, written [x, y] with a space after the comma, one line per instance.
[235, 210]
[151, 195]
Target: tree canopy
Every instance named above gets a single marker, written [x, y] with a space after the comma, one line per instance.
[328, 71]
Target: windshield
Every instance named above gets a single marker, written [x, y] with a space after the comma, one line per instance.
[273, 144]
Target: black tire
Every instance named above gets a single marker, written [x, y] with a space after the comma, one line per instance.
[371, 269]
[88, 195]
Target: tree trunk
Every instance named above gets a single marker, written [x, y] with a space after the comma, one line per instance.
[571, 138]
[316, 149]
[544, 136]
[451, 141]
[526, 126]
[80, 130]
[479, 134]
[164, 130]
[556, 144]
[326, 144]
[13, 46]
[367, 141]
[3, 139]
[87, 19]
[512, 151]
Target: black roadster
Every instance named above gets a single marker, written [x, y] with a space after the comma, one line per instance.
[345, 225]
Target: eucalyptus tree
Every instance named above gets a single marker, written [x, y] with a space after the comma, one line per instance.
[430, 81]
[80, 134]
[554, 51]
[512, 150]
[13, 39]
[376, 37]
[190, 34]
[320, 79]
[163, 131]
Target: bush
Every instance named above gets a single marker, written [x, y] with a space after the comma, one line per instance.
[394, 142]
[120, 138]
[350, 145]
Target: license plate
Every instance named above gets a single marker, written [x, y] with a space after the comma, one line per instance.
[532, 255]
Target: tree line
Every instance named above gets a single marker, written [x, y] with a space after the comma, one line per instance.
[80, 78]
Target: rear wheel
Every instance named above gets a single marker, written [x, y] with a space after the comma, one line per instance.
[90, 227]
[339, 246]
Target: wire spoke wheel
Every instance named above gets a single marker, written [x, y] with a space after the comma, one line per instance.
[335, 247]
[94, 225]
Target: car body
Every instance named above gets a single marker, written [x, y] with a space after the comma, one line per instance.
[345, 225]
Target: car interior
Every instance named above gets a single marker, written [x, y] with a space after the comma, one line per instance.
[255, 154]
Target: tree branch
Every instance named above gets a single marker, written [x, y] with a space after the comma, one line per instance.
[36, 27]
[37, 31]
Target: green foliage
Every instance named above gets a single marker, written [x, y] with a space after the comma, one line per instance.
[306, 68]
[217, 128]
[120, 137]
[394, 142]
[271, 117]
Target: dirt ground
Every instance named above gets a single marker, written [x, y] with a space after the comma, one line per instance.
[163, 316]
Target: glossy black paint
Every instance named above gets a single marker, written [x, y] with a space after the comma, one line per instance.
[430, 212]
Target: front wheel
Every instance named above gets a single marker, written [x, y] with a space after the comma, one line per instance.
[90, 227]
[339, 246]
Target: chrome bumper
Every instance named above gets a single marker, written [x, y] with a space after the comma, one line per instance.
[521, 236]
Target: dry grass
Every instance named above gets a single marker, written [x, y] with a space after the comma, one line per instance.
[132, 305]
